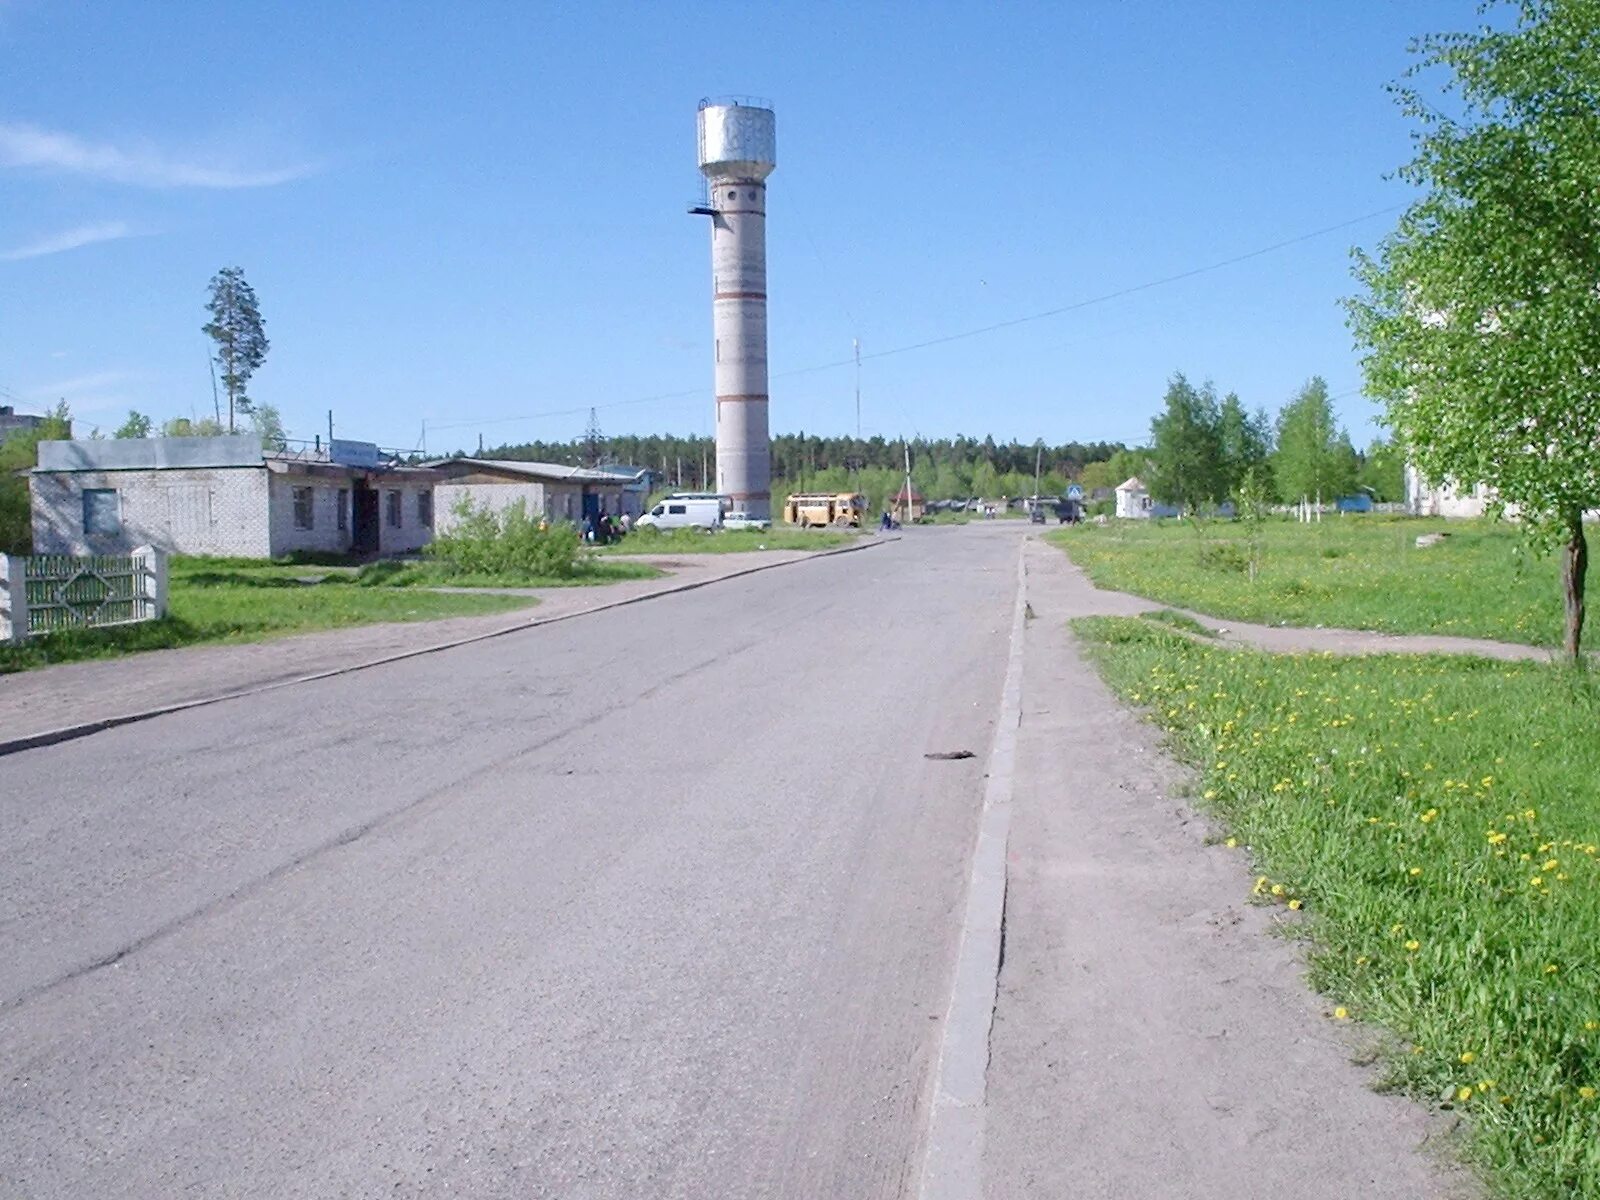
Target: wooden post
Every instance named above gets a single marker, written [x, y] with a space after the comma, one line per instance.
[13, 599]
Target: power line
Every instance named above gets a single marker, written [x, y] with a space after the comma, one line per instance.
[979, 331]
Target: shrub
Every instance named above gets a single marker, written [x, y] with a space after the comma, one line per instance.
[484, 541]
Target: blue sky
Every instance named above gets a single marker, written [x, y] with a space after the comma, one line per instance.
[470, 215]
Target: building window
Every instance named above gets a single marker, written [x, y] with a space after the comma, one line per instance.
[304, 508]
[102, 513]
[393, 500]
[425, 508]
[344, 509]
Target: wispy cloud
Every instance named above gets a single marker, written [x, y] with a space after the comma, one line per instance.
[143, 166]
[93, 394]
[71, 239]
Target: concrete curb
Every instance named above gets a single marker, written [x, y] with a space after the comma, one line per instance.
[69, 733]
[952, 1165]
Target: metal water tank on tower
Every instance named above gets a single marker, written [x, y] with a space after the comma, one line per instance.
[738, 150]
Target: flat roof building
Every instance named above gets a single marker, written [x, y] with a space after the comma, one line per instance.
[226, 496]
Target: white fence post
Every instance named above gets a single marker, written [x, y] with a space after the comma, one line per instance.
[152, 581]
[13, 598]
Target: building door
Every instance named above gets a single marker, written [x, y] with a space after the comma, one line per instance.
[364, 525]
[591, 505]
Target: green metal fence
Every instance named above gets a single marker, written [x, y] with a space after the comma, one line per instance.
[70, 592]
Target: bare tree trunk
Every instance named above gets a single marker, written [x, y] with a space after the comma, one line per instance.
[1574, 567]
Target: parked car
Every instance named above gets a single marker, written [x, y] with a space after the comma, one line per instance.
[1036, 514]
[684, 512]
[743, 520]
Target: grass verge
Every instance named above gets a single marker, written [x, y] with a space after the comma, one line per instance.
[1354, 572]
[725, 541]
[1436, 820]
[588, 571]
[225, 600]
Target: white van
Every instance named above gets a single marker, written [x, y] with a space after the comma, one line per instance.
[684, 512]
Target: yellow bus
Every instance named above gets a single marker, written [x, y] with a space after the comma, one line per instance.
[819, 509]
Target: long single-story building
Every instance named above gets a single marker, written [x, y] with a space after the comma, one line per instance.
[226, 496]
[552, 490]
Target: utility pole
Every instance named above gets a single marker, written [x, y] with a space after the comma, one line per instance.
[330, 429]
[1038, 461]
[908, 480]
[216, 404]
[855, 344]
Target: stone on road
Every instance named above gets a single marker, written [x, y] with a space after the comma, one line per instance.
[658, 902]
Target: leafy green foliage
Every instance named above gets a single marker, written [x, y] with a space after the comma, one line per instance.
[941, 468]
[184, 427]
[1383, 471]
[18, 453]
[240, 334]
[1481, 315]
[1314, 458]
[1433, 819]
[136, 426]
[1186, 448]
[1245, 444]
[504, 543]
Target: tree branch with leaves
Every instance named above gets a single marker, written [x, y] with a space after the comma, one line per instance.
[1481, 319]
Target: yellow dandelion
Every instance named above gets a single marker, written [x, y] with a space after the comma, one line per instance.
[1588, 1093]
[1551, 865]
[1277, 889]
[1415, 871]
[1551, 968]
[1468, 1056]
[1294, 904]
[1413, 945]
[1232, 843]
[1464, 1094]
[1341, 1013]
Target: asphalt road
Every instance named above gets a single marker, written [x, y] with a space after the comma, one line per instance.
[657, 902]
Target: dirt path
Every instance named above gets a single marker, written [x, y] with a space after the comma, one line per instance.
[1098, 601]
[1151, 1038]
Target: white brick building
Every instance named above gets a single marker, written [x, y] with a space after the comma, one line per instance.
[553, 490]
[224, 496]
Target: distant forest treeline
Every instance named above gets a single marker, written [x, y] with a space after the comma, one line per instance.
[941, 468]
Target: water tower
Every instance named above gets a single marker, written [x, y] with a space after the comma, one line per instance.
[738, 150]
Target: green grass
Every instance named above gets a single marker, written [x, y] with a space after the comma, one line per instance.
[589, 571]
[1355, 572]
[726, 541]
[1436, 819]
[227, 600]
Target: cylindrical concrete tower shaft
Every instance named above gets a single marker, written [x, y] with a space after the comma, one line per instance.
[737, 153]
